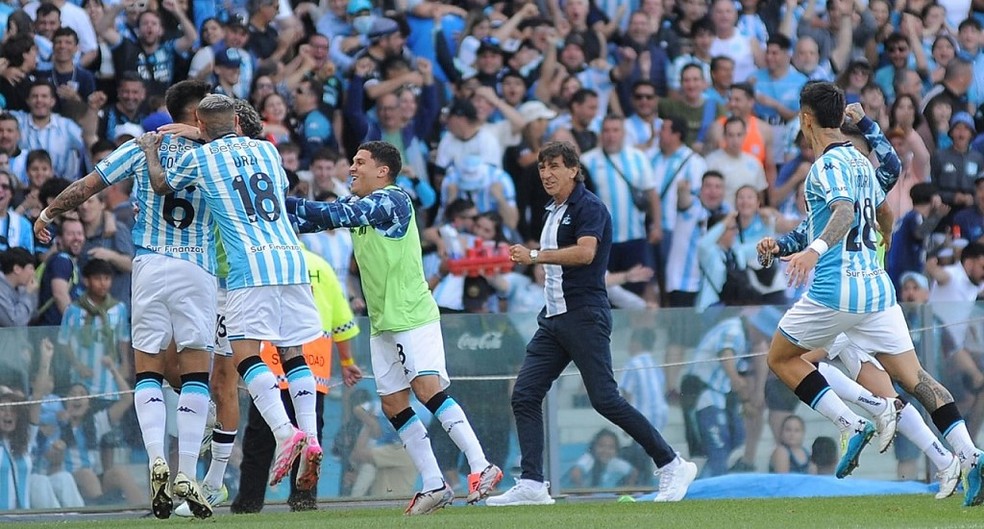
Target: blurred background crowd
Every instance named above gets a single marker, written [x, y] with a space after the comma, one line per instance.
[685, 112]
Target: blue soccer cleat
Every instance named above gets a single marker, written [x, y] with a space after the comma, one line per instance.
[974, 492]
[851, 446]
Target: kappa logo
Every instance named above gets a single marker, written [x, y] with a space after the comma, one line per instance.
[828, 166]
[186, 409]
[302, 393]
[154, 399]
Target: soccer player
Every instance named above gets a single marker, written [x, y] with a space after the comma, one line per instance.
[406, 346]
[576, 325]
[173, 297]
[269, 298]
[851, 293]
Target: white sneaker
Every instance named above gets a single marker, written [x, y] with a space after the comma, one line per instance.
[430, 501]
[215, 498]
[887, 423]
[524, 492]
[675, 479]
[948, 478]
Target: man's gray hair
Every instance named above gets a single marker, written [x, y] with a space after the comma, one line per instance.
[216, 103]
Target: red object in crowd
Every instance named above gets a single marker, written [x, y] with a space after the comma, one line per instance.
[482, 259]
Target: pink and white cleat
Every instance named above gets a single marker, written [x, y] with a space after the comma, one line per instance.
[285, 455]
[310, 467]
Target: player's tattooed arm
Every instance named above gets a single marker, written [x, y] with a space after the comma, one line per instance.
[75, 194]
[149, 144]
[841, 220]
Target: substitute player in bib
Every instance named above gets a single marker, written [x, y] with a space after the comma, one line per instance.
[173, 297]
[406, 346]
[242, 181]
[851, 293]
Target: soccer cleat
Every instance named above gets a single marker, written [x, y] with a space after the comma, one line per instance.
[210, 425]
[948, 478]
[974, 492]
[215, 497]
[523, 493]
[430, 501]
[310, 467]
[286, 453]
[480, 484]
[675, 480]
[188, 489]
[851, 446]
[160, 489]
[887, 423]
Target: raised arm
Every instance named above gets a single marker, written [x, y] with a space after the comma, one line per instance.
[69, 199]
[377, 210]
[149, 143]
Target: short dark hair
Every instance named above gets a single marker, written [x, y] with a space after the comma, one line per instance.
[744, 87]
[326, 153]
[97, 267]
[566, 151]
[716, 61]
[130, 77]
[384, 154]
[15, 256]
[46, 9]
[825, 101]
[713, 173]
[972, 251]
[38, 155]
[102, 144]
[51, 189]
[15, 48]
[922, 193]
[7, 116]
[457, 207]
[64, 31]
[677, 125]
[644, 82]
[704, 25]
[42, 82]
[689, 66]
[734, 119]
[780, 40]
[823, 452]
[582, 95]
[896, 38]
[969, 22]
[184, 94]
[288, 147]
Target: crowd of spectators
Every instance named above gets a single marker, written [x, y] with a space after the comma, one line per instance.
[685, 111]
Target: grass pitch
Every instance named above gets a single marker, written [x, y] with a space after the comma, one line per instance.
[868, 512]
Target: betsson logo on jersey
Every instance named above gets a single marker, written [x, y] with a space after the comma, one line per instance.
[229, 147]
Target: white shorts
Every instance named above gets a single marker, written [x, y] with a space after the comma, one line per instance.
[399, 357]
[810, 325]
[172, 298]
[222, 347]
[851, 355]
[282, 314]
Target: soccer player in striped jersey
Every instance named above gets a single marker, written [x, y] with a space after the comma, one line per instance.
[173, 297]
[269, 298]
[406, 346]
[866, 372]
[851, 293]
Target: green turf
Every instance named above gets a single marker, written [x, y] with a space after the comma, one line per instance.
[909, 511]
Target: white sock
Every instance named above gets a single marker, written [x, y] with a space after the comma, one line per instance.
[222, 444]
[851, 391]
[672, 464]
[418, 446]
[535, 485]
[191, 417]
[911, 425]
[959, 439]
[303, 393]
[831, 407]
[263, 387]
[454, 422]
[148, 399]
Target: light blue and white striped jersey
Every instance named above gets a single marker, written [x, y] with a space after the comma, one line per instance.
[849, 276]
[61, 137]
[682, 265]
[638, 132]
[91, 338]
[628, 223]
[15, 472]
[84, 451]
[728, 334]
[481, 195]
[334, 246]
[645, 382]
[243, 182]
[671, 167]
[175, 225]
